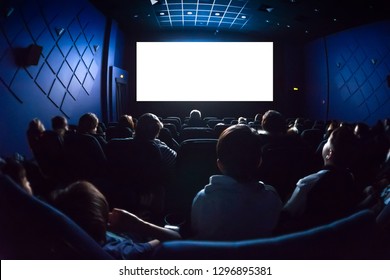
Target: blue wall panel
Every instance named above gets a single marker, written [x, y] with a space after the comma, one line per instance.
[359, 63]
[315, 93]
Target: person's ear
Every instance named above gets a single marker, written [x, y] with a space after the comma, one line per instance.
[260, 161]
[329, 154]
[220, 165]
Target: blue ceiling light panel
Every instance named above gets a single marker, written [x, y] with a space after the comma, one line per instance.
[221, 14]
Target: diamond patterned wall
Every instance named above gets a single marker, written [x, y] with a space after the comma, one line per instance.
[359, 63]
[67, 67]
[66, 80]
[346, 74]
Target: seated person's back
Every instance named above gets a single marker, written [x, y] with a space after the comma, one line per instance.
[148, 129]
[195, 120]
[235, 206]
[331, 193]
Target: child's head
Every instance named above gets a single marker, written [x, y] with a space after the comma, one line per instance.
[59, 123]
[239, 152]
[88, 123]
[126, 121]
[16, 171]
[87, 206]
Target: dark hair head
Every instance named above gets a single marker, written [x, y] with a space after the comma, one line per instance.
[362, 130]
[273, 122]
[35, 128]
[343, 143]
[126, 121]
[36, 125]
[148, 127]
[59, 122]
[239, 151]
[15, 170]
[34, 132]
[87, 206]
[88, 123]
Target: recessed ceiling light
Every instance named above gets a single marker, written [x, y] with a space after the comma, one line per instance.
[335, 19]
[316, 10]
[162, 13]
[288, 25]
[244, 17]
[135, 15]
[267, 20]
[265, 8]
[189, 13]
[217, 14]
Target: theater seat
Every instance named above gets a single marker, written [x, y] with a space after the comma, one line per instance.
[196, 133]
[196, 161]
[347, 238]
[84, 156]
[136, 170]
[32, 229]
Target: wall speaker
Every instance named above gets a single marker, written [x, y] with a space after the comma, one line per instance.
[33, 54]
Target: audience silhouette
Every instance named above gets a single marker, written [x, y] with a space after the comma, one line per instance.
[321, 172]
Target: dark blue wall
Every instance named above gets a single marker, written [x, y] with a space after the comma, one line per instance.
[67, 79]
[346, 75]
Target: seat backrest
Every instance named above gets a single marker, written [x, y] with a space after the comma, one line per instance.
[85, 158]
[213, 122]
[135, 168]
[348, 238]
[118, 132]
[32, 229]
[173, 120]
[196, 161]
[383, 218]
[165, 136]
[383, 224]
[312, 137]
[283, 166]
[138, 163]
[173, 129]
[51, 158]
[228, 120]
[219, 128]
[196, 133]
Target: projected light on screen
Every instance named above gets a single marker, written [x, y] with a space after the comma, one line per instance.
[204, 71]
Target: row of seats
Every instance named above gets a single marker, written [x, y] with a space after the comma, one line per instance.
[126, 164]
[42, 232]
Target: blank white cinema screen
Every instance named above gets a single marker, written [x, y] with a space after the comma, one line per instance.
[204, 71]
